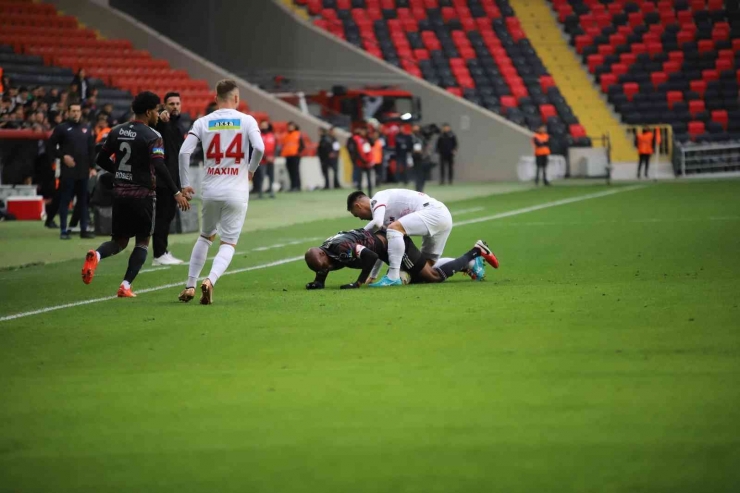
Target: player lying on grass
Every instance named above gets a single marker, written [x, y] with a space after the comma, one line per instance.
[361, 249]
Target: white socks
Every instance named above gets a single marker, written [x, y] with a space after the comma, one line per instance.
[221, 262]
[395, 253]
[197, 260]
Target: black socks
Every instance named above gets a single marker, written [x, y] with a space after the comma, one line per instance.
[135, 263]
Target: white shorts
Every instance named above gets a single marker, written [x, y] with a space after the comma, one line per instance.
[434, 224]
[225, 217]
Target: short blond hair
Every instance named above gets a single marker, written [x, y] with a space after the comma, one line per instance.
[224, 88]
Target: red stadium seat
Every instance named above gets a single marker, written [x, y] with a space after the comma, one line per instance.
[706, 45]
[714, 5]
[607, 80]
[547, 110]
[724, 64]
[582, 41]
[577, 130]
[710, 75]
[676, 56]
[594, 61]
[658, 78]
[696, 106]
[508, 102]
[546, 81]
[671, 67]
[628, 58]
[619, 69]
[673, 97]
[630, 89]
[720, 116]
[698, 86]
[684, 37]
[696, 128]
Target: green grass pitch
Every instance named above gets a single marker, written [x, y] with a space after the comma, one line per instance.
[603, 356]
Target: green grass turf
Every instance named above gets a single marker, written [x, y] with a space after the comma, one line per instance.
[604, 356]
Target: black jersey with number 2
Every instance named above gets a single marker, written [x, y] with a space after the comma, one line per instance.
[137, 148]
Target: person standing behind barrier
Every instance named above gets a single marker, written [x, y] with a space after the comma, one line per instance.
[329, 156]
[377, 144]
[404, 145]
[268, 161]
[358, 149]
[292, 148]
[645, 142]
[420, 155]
[446, 148]
[73, 143]
[541, 142]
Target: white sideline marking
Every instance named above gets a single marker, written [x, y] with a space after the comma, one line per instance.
[547, 205]
[295, 259]
[153, 269]
[141, 291]
[466, 211]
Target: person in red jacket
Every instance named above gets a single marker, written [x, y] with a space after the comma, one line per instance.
[359, 151]
[268, 160]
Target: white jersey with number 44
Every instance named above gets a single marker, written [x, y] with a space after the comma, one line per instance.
[226, 136]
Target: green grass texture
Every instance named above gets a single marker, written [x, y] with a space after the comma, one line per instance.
[603, 356]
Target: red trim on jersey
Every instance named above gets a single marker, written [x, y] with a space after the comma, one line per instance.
[379, 205]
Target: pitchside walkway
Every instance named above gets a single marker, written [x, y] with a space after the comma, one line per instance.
[27, 243]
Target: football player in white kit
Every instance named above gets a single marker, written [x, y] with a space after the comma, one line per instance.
[226, 136]
[406, 212]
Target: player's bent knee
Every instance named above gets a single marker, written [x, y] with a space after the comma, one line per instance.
[209, 238]
[228, 243]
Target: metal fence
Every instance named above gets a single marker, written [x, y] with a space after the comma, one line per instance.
[690, 158]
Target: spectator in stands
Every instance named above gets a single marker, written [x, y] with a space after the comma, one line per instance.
[6, 108]
[359, 152]
[645, 143]
[73, 144]
[83, 84]
[52, 97]
[541, 143]
[268, 160]
[173, 137]
[329, 156]
[292, 148]
[74, 93]
[60, 105]
[446, 148]
[404, 146]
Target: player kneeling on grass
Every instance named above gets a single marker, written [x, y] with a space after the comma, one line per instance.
[361, 249]
[405, 212]
[138, 151]
[229, 138]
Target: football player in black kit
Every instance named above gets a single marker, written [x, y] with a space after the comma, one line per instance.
[361, 249]
[134, 154]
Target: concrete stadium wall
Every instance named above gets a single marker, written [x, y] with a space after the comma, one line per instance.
[266, 37]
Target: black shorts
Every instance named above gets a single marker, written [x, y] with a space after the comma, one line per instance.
[413, 261]
[133, 217]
